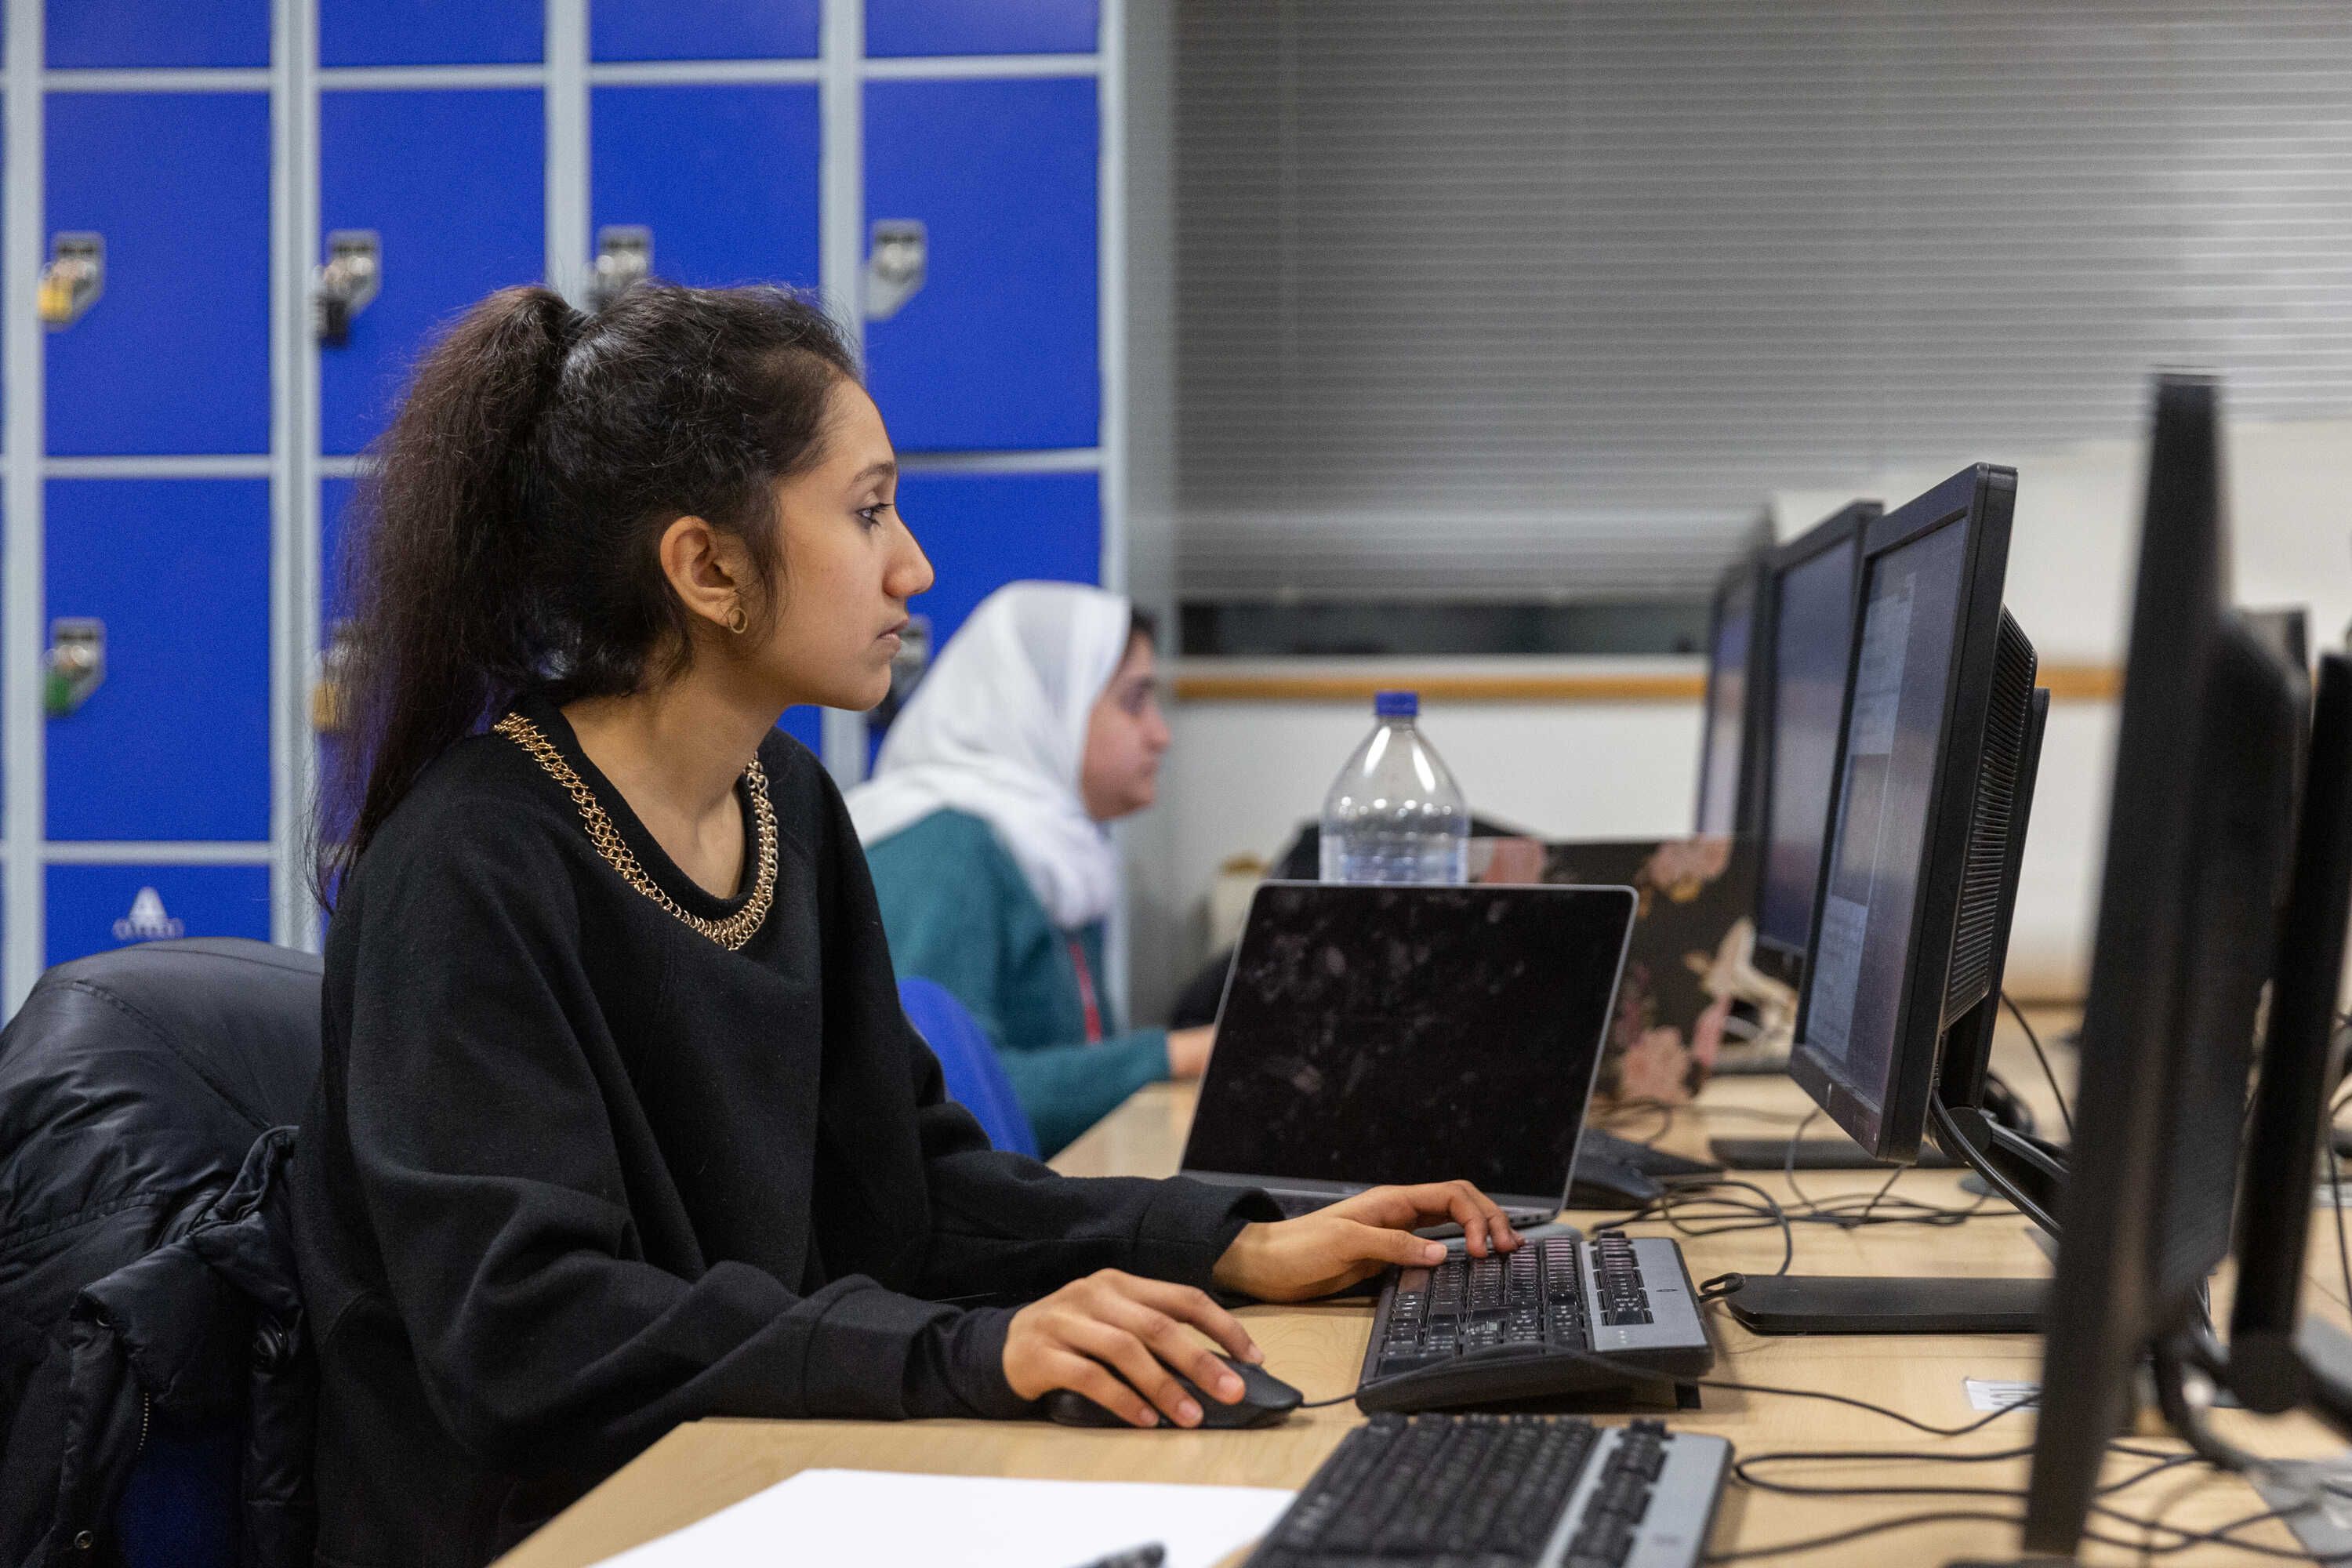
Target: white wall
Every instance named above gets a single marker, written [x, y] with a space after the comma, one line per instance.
[1244, 774]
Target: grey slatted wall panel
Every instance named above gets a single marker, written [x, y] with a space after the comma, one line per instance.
[1543, 297]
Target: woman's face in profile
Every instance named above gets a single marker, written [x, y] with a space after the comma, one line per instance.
[849, 566]
[1126, 737]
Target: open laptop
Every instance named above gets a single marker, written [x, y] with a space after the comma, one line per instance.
[1378, 1035]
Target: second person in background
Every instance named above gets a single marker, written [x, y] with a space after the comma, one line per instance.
[985, 826]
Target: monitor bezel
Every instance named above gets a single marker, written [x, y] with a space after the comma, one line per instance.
[1843, 528]
[1747, 790]
[1981, 498]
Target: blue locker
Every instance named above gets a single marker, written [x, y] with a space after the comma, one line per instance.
[895, 27]
[703, 29]
[725, 178]
[983, 531]
[453, 184]
[175, 742]
[999, 349]
[805, 725]
[121, 34]
[431, 32]
[92, 909]
[174, 357]
[334, 501]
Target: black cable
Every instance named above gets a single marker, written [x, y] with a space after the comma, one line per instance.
[2034, 1040]
[1861, 1532]
[2187, 1539]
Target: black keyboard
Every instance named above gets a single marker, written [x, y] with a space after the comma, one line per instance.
[1560, 1317]
[1500, 1491]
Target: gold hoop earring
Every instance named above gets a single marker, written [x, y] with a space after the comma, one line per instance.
[736, 621]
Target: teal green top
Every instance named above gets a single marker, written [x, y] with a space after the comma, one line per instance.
[959, 911]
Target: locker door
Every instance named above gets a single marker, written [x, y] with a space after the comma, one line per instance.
[998, 349]
[94, 907]
[451, 183]
[983, 531]
[702, 29]
[173, 358]
[430, 32]
[175, 744]
[725, 178]
[120, 33]
[334, 501]
[805, 725]
[981, 26]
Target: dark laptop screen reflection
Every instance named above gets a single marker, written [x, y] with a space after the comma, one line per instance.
[1379, 1034]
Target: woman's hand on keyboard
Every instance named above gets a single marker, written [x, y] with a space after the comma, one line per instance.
[1356, 1238]
[1110, 1321]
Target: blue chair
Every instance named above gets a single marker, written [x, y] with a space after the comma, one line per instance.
[976, 1079]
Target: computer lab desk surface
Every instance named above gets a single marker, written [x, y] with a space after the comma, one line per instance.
[704, 1465]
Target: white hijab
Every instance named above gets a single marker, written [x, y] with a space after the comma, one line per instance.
[998, 728]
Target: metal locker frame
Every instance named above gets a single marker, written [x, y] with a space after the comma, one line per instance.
[294, 466]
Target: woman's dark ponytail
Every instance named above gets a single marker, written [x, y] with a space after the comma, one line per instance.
[505, 532]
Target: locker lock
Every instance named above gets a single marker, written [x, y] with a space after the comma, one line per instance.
[907, 668]
[72, 279]
[343, 288]
[895, 265]
[625, 255]
[76, 665]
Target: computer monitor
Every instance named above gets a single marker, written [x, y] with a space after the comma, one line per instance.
[2197, 829]
[1809, 598]
[1738, 674]
[2270, 1366]
[1937, 744]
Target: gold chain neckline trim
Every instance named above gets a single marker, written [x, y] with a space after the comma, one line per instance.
[729, 934]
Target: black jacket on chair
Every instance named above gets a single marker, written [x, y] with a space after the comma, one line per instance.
[147, 1288]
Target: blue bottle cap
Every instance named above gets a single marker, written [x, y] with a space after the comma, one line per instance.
[1396, 704]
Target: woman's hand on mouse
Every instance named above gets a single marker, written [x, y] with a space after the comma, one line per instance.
[1355, 1238]
[1111, 1322]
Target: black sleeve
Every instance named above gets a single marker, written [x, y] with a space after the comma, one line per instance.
[1003, 1225]
[488, 1172]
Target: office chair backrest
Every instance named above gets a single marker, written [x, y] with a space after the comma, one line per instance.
[136, 1088]
[976, 1079]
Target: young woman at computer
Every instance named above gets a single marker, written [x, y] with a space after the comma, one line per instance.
[984, 825]
[619, 1122]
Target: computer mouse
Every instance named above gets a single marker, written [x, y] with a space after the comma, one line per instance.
[1265, 1399]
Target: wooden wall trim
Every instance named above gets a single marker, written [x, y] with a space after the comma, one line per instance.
[2067, 683]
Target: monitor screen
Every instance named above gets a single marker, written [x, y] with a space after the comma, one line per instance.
[1813, 634]
[1411, 1034]
[1909, 622]
[1726, 709]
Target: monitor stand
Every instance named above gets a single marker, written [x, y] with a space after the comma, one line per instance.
[2020, 1168]
[1876, 1304]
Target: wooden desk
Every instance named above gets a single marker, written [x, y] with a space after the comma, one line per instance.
[704, 1465]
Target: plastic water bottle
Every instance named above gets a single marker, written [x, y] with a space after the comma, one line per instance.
[1394, 814]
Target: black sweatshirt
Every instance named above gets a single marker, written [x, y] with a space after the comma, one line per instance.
[575, 1172]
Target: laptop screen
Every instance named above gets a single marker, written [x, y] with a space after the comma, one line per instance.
[1411, 1034]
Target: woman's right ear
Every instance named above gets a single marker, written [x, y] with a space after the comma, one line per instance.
[704, 573]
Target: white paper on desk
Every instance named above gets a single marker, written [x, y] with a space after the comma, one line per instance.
[878, 1519]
